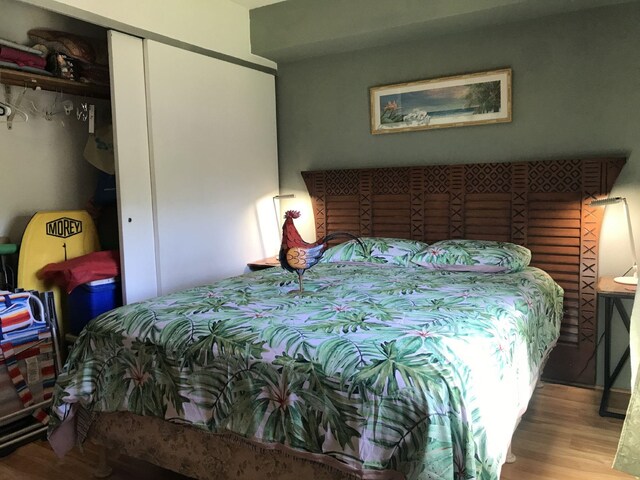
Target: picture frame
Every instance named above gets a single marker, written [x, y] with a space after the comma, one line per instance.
[456, 101]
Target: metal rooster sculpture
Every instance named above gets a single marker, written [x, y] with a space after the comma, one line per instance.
[296, 255]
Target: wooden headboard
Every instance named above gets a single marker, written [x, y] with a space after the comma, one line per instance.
[543, 205]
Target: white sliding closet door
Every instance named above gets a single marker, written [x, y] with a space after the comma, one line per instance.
[129, 108]
[212, 130]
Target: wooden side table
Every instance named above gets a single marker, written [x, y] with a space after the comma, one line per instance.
[264, 263]
[613, 293]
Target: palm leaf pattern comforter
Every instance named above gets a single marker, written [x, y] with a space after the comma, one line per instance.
[384, 368]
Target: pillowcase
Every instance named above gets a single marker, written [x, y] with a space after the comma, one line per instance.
[377, 250]
[474, 256]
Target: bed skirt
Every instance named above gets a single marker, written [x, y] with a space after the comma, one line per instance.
[203, 455]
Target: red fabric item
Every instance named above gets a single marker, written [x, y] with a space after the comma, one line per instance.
[79, 270]
[22, 58]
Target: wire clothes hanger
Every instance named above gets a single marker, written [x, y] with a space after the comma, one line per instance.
[12, 108]
[48, 111]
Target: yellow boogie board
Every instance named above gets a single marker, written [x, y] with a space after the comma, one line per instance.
[52, 237]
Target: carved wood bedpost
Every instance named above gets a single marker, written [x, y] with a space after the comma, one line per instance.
[417, 193]
[519, 202]
[315, 182]
[365, 203]
[456, 202]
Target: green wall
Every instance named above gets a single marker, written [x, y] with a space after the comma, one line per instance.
[576, 92]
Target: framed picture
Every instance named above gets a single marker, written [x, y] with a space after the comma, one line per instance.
[471, 99]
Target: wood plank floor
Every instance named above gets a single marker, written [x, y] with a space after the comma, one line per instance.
[561, 437]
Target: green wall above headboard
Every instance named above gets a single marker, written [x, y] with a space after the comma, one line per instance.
[576, 93]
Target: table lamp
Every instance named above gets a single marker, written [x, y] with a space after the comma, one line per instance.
[603, 202]
[276, 210]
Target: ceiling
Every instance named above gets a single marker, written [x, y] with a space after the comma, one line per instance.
[287, 31]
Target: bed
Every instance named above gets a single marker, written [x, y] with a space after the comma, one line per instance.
[386, 369]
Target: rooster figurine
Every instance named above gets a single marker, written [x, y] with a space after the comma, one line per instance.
[296, 255]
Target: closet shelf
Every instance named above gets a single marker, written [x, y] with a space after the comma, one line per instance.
[32, 80]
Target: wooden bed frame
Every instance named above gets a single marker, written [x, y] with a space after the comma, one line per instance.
[543, 205]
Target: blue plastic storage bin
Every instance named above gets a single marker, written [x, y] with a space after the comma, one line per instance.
[89, 300]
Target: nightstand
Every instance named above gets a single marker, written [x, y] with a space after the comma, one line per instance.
[613, 293]
[264, 263]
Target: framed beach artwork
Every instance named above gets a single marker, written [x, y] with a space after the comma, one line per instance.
[471, 99]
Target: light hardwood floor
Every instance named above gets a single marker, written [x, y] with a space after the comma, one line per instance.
[561, 437]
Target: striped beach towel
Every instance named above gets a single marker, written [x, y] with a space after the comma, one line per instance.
[37, 363]
[14, 312]
[26, 351]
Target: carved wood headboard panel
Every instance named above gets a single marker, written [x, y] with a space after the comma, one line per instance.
[543, 205]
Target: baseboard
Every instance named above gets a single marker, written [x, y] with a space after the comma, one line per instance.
[618, 399]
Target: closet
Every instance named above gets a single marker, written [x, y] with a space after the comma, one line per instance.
[43, 158]
[196, 164]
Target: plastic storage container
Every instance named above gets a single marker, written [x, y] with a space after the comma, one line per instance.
[89, 300]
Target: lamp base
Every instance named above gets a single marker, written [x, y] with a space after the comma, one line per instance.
[626, 280]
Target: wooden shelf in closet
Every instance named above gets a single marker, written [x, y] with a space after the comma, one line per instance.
[33, 80]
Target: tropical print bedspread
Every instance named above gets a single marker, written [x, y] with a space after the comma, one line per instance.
[383, 368]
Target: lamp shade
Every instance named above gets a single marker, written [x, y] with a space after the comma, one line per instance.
[603, 202]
